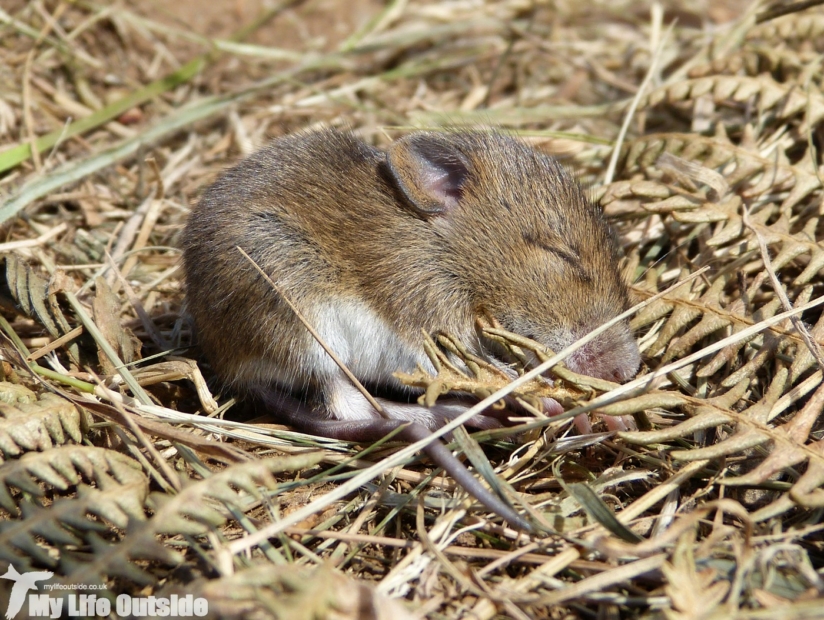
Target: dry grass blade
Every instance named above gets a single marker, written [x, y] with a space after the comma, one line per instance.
[780, 9]
[370, 399]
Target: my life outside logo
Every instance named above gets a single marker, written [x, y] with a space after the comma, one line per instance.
[28, 600]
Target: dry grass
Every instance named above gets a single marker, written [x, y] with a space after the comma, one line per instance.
[698, 130]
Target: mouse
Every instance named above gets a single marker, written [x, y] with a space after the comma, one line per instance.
[376, 247]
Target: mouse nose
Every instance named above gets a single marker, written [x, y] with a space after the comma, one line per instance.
[614, 375]
[619, 374]
[614, 356]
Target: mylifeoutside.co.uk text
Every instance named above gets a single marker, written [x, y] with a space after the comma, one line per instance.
[74, 586]
[84, 605]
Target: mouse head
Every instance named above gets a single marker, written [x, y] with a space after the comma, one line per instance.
[519, 236]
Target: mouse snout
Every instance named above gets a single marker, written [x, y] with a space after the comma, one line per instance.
[613, 356]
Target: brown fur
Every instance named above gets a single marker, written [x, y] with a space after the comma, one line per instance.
[323, 214]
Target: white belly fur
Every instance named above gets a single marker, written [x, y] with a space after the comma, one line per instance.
[366, 345]
[364, 342]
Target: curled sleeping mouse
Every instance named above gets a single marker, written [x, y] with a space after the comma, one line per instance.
[374, 246]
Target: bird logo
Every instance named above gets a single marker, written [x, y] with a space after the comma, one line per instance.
[22, 584]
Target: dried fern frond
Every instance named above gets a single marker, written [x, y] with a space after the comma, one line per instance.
[39, 425]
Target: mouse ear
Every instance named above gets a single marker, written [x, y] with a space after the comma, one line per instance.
[429, 170]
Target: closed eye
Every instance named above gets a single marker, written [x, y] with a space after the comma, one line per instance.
[565, 254]
[561, 252]
[568, 258]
